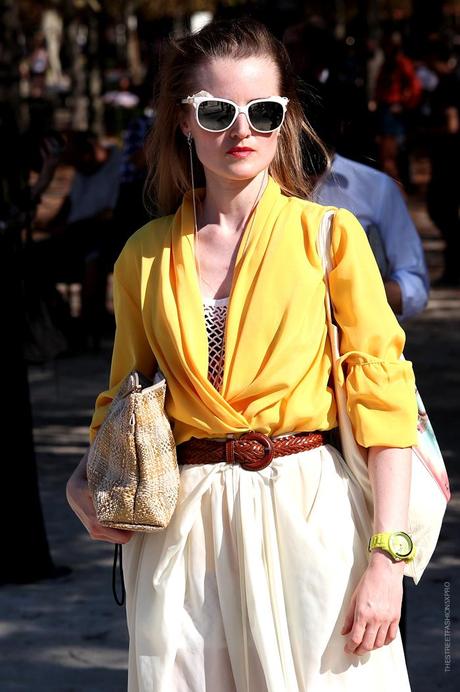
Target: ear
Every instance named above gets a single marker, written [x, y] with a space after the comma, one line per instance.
[184, 124]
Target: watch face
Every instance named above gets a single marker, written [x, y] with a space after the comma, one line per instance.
[401, 544]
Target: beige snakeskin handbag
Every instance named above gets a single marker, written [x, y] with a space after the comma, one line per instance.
[132, 468]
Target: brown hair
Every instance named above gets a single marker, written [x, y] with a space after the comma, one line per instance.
[166, 147]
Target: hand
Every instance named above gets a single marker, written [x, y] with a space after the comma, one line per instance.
[79, 498]
[375, 609]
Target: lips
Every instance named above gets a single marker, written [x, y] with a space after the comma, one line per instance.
[240, 151]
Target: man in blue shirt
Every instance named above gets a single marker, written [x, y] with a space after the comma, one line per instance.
[379, 206]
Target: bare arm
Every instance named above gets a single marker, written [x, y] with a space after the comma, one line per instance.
[390, 476]
[375, 609]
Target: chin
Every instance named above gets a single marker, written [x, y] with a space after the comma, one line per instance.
[242, 170]
[243, 175]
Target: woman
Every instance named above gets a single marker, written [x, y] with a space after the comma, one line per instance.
[262, 580]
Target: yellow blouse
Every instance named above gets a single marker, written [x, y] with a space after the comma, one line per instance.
[277, 355]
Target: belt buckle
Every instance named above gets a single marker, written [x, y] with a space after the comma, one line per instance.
[267, 444]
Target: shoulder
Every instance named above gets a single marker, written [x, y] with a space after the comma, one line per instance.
[308, 210]
[143, 246]
[346, 230]
[367, 176]
[343, 163]
[347, 233]
[360, 188]
[311, 214]
[148, 240]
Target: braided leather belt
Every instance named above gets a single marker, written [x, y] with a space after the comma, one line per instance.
[253, 450]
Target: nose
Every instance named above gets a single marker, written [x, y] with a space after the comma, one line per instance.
[240, 127]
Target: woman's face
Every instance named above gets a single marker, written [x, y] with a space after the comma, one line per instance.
[240, 81]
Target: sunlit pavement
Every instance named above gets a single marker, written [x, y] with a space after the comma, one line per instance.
[69, 636]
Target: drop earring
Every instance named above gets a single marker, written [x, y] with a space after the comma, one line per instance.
[192, 178]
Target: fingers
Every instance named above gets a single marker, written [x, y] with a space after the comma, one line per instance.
[356, 637]
[367, 628]
[392, 632]
[374, 638]
[95, 529]
[80, 500]
[365, 637]
[98, 532]
[374, 612]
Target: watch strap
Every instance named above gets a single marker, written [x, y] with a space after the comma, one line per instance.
[380, 540]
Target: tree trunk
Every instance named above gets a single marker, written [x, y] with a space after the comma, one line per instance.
[26, 556]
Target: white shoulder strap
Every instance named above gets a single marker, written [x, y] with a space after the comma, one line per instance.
[323, 241]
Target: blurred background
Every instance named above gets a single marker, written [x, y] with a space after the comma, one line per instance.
[379, 80]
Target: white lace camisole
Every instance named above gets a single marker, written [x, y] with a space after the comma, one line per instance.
[215, 314]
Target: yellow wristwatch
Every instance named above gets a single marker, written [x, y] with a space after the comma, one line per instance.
[398, 543]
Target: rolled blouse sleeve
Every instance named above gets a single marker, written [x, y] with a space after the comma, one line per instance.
[380, 387]
[131, 349]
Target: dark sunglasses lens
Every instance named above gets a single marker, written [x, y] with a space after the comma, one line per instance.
[215, 115]
[266, 115]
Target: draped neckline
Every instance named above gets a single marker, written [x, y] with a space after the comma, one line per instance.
[189, 299]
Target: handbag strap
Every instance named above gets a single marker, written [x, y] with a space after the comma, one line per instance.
[117, 557]
[323, 247]
[323, 241]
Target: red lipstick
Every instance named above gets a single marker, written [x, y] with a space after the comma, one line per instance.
[240, 152]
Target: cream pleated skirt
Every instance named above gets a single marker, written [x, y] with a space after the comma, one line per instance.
[247, 588]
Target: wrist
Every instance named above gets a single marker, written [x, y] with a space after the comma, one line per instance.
[381, 559]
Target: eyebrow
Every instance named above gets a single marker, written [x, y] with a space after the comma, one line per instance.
[207, 94]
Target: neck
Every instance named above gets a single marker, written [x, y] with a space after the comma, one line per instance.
[228, 203]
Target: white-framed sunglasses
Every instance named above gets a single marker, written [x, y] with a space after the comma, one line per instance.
[217, 115]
